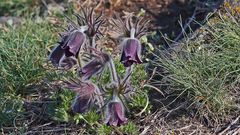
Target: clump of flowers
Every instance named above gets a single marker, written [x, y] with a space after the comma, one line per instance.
[77, 42]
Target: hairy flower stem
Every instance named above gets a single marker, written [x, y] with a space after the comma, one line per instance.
[81, 29]
[115, 95]
[132, 33]
[113, 71]
[92, 43]
[79, 59]
[128, 72]
[99, 98]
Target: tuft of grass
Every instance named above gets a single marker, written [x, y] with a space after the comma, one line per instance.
[203, 71]
[15, 7]
[22, 57]
[11, 106]
[23, 54]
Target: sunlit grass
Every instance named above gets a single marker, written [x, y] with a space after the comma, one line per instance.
[203, 72]
[23, 53]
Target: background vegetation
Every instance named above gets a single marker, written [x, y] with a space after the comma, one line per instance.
[200, 76]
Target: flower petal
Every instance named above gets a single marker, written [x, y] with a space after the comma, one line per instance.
[95, 66]
[56, 55]
[115, 114]
[75, 40]
[85, 95]
[81, 103]
[90, 69]
[131, 52]
[130, 48]
[120, 112]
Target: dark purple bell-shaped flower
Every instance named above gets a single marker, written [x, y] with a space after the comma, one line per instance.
[69, 46]
[131, 49]
[95, 66]
[85, 95]
[115, 113]
[74, 42]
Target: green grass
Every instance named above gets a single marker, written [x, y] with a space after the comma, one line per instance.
[205, 70]
[11, 107]
[15, 7]
[23, 53]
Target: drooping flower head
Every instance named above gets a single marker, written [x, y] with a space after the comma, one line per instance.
[66, 51]
[132, 31]
[95, 66]
[74, 42]
[85, 95]
[115, 113]
[131, 51]
[75, 36]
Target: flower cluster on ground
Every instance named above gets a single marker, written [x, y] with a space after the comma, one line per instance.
[79, 41]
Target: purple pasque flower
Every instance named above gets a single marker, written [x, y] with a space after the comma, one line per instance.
[95, 66]
[67, 49]
[115, 113]
[133, 28]
[74, 42]
[85, 95]
[131, 51]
